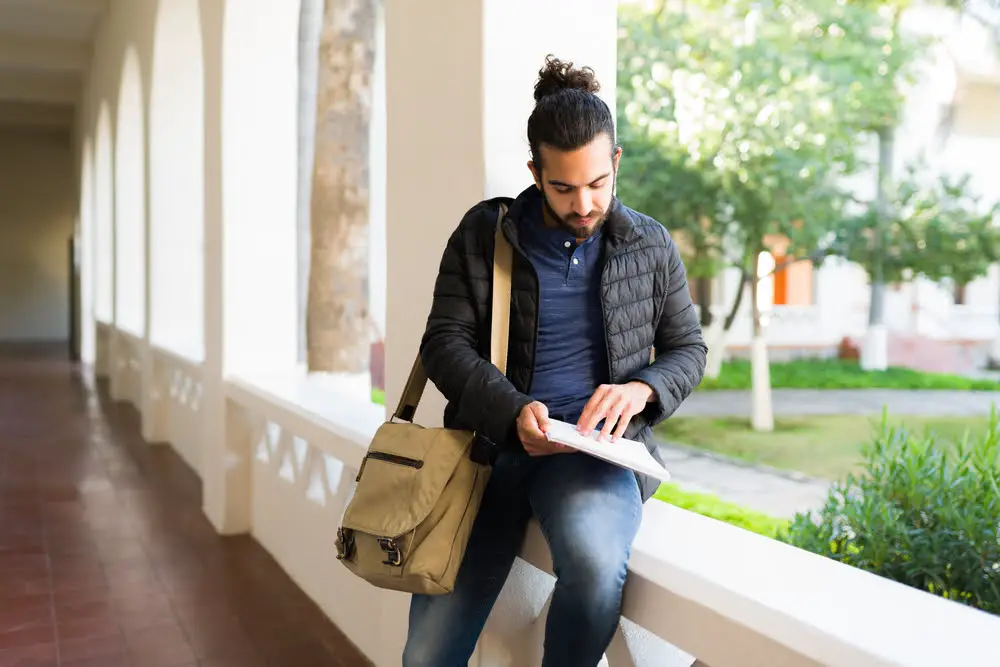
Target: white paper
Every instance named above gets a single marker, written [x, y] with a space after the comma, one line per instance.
[625, 453]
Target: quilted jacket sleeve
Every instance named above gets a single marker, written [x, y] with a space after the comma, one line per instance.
[679, 348]
[483, 398]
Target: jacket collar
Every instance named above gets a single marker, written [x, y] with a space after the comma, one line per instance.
[618, 227]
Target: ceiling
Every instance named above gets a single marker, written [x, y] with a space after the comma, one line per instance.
[45, 48]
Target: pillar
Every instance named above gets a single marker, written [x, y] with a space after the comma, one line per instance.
[226, 473]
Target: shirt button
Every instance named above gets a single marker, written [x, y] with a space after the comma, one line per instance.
[567, 244]
[576, 261]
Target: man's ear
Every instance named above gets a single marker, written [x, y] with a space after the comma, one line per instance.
[616, 156]
[535, 175]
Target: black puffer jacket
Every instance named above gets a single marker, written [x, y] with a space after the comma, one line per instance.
[647, 308]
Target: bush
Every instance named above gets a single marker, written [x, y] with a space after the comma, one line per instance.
[923, 515]
[716, 508]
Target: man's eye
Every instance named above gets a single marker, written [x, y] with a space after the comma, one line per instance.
[598, 184]
[564, 191]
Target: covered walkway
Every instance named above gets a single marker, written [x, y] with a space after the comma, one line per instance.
[160, 516]
[106, 558]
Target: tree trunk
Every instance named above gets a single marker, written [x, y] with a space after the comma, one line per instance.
[310, 27]
[703, 290]
[338, 322]
[875, 353]
[762, 415]
[716, 336]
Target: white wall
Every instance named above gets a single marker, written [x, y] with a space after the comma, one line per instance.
[37, 212]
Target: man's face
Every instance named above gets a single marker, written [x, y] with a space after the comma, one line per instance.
[578, 185]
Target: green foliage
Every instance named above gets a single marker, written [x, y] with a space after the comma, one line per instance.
[716, 508]
[921, 514]
[937, 231]
[742, 116]
[659, 179]
[838, 374]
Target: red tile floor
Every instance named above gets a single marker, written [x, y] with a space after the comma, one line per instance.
[106, 559]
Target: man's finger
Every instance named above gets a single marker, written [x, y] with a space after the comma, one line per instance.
[614, 412]
[531, 425]
[541, 413]
[623, 422]
[587, 426]
[590, 408]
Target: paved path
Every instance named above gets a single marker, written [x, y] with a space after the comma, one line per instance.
[778, 493]
[843, 402]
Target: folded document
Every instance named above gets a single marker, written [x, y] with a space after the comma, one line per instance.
[629, 454]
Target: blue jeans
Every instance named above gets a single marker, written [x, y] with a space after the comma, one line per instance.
[589, 512]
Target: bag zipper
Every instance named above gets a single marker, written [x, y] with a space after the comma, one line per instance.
[389, 458]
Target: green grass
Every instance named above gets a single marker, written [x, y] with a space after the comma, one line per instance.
[837, 374]
[716, 508]
[824, 446]
[378, 397]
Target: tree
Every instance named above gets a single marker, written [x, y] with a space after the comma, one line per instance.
[662, 180]
[760, 106]
[338, 322]
[939, 231]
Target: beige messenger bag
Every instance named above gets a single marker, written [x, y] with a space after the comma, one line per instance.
[418, 491]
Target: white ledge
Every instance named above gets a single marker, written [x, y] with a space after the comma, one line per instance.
[812, 606]
[178, 358]
[723, 594]
[336, 422]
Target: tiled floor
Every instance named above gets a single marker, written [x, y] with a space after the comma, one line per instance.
[106, 559]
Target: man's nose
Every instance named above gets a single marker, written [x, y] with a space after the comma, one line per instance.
[582, 203]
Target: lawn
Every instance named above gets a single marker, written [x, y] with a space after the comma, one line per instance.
[716, 508]
[824, 446]
[837, 374]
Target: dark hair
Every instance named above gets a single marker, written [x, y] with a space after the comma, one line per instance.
[568, 113]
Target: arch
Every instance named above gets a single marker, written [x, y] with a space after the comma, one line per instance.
[259, 181]
[130, 200]
[177, 180]
[85, 253]
[104, 219]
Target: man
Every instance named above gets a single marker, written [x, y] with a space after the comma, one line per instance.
[596, 289]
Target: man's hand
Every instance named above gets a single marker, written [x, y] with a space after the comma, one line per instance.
[614, 403]
[532, 424]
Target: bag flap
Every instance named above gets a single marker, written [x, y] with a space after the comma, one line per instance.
[391, 498]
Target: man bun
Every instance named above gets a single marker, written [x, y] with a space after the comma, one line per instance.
[568, 114]
[558, 75]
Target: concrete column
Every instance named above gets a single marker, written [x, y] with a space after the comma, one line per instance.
[149, 391]
[226, 474]
[459, 89]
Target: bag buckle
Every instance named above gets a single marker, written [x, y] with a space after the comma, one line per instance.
[389, 546]
[345, 543]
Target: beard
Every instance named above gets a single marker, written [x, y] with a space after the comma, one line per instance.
[570, 222]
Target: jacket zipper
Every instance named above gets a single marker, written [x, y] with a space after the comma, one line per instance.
[389, 458]
[604, 316]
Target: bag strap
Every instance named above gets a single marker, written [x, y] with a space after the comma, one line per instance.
[503, 260]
